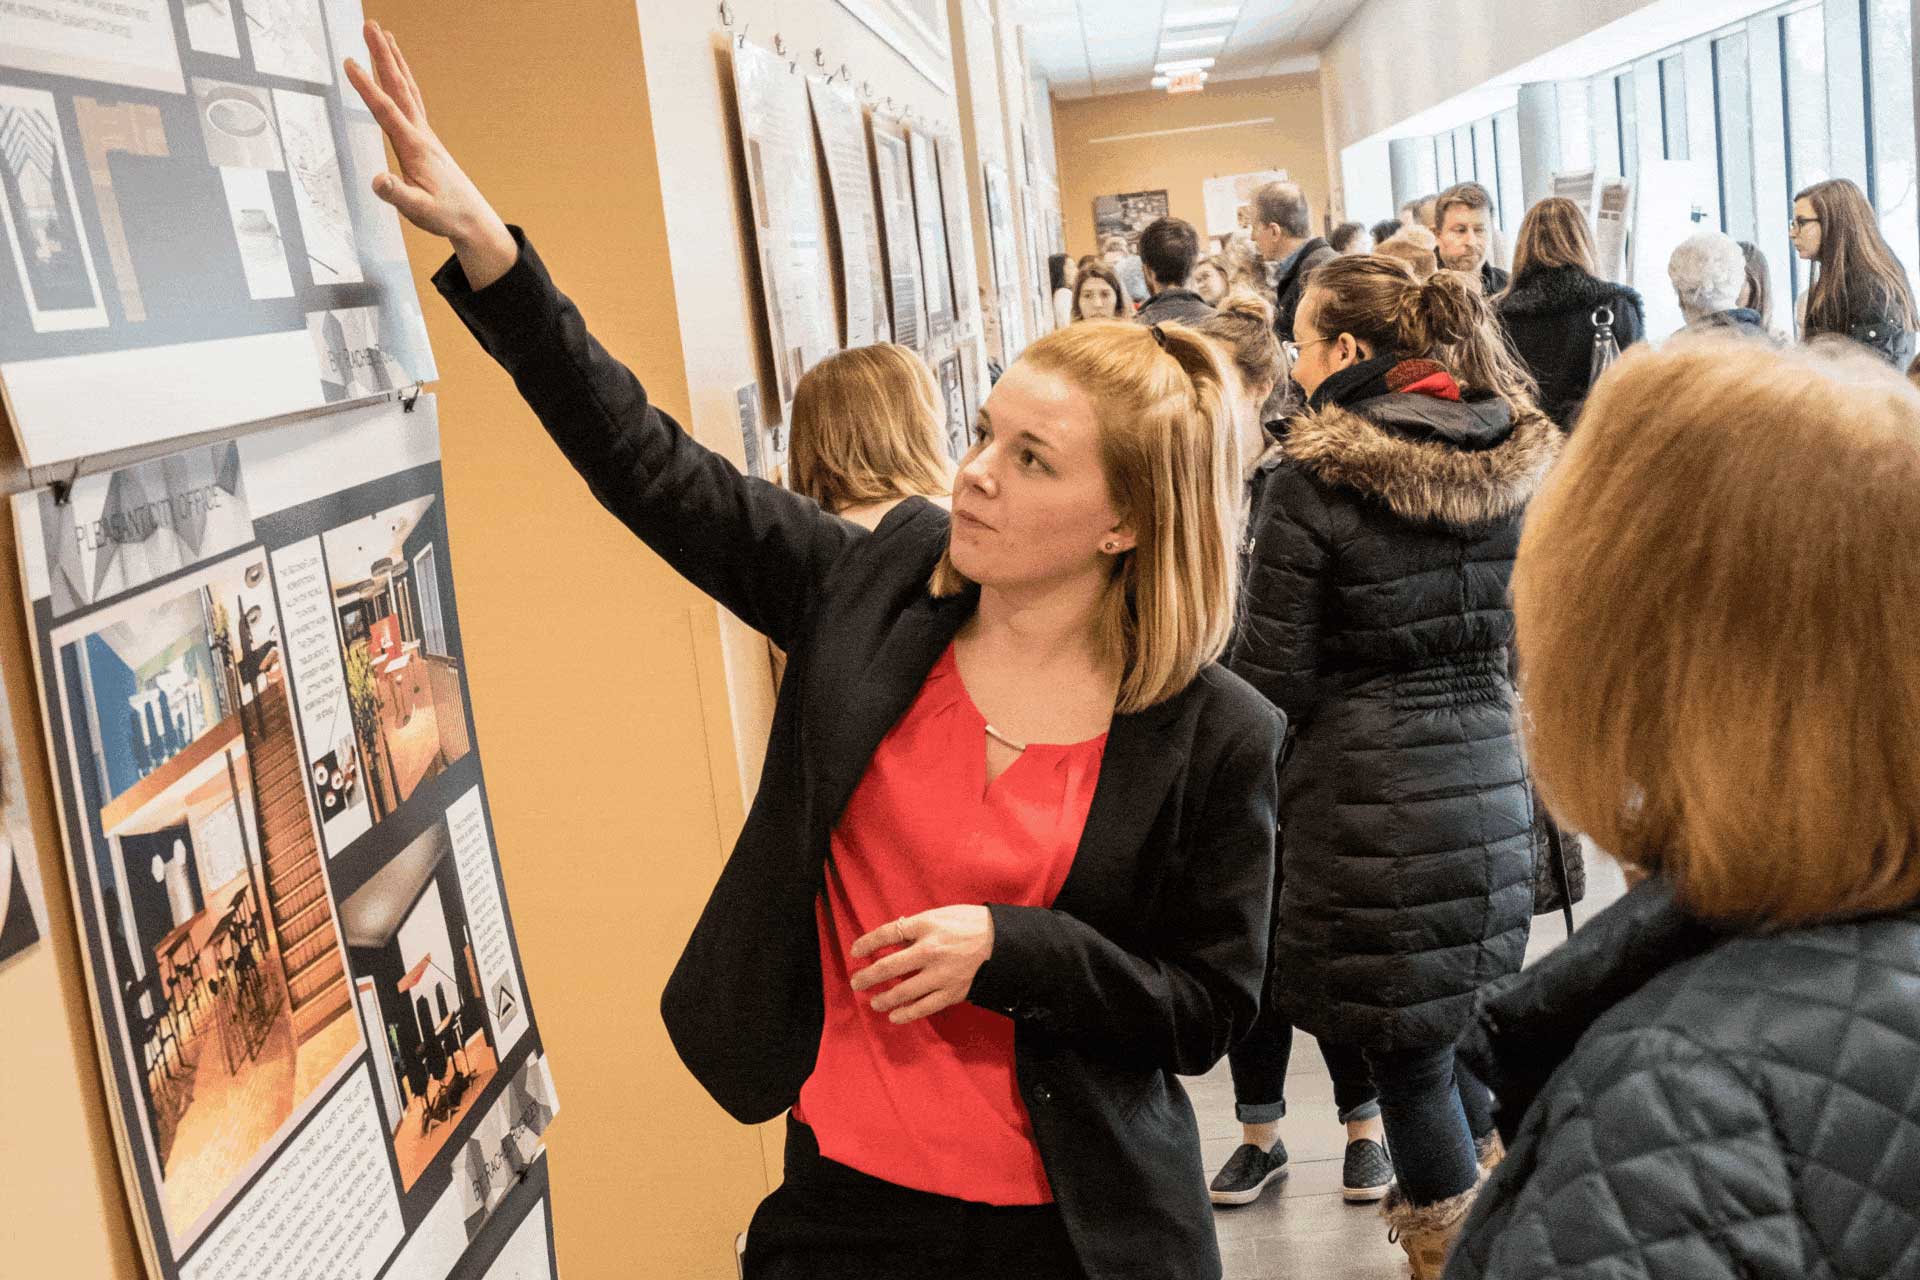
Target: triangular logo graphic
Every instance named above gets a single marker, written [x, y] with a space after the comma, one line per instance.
[504, 1005]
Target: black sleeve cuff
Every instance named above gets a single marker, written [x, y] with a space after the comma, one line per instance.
[501, 313]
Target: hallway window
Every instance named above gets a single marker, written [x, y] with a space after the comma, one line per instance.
[1673, 107]
[1626, 112]
[1890, 145]
[1733, 125]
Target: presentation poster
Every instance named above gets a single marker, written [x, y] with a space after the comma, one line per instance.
[953, 195]
[906, 281]
[23, 906]
[784, 183]
[930, 221]
[191, 241]
[308, 1000]
[1005, 252]
[843, 138]
[1227, 199]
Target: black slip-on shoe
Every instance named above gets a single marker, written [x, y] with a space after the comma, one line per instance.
[1367, 1173]
[1247, 1173]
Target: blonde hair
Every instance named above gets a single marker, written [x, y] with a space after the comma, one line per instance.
[1553, 234]
[1172, 463]
[1243, 325]
[1716, 629]
[866, 427]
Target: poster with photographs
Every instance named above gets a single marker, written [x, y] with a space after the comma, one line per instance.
[1005, 251]
[863, 271]
[308, 1001]
[776, 136]
[953, 195]
[930, 221]
[906, 283]
[185, 201]
[959, 426]
[23, 903]
[1126, 216]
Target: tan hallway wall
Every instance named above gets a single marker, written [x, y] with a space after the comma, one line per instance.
[1293, 140]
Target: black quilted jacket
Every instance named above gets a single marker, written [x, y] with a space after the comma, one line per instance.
[1377, 619]
[1682, 1105]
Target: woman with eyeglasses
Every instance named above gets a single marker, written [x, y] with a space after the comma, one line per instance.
[1859, 291]
[1378, 621]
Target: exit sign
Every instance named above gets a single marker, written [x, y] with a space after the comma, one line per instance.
[1187, 82]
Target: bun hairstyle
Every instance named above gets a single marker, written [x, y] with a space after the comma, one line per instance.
[1243, 325]
[1171, 457]
[1447, 318]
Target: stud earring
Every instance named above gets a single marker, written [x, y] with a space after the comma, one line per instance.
[1110, 546]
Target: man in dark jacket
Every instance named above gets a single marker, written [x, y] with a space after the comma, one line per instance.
[1463, 220]
[1169, 247]
[1281, 221]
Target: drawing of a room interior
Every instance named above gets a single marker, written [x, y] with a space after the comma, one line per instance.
[225, 956]
[410, 947]
[391, 581]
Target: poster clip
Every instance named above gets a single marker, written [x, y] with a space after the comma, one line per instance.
[726, 15]
[408, 399]
[63, 489]
[779, 46]
[866, 88]
[820, 57]
[740, 41]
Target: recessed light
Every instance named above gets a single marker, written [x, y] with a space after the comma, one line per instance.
[1184, 64]
[1184, 46]
[1201, 17]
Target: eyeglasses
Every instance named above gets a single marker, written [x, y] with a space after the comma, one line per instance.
[1798, 223]
[1293, 349]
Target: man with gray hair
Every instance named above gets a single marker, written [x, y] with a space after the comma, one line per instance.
[1282, 223]
[1709, 273]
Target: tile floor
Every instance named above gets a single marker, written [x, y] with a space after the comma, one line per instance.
[1301, 1229]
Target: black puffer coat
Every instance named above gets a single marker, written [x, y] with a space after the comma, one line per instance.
[1549, 315]
[1377, 619]
[1680, 1105]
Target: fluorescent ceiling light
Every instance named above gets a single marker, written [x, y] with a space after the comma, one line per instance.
[1184, 46]
[1161, 82]
[1201, 17]
[1184, 64]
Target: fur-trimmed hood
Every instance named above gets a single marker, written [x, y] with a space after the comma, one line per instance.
[1552, 290]
[1456, 463]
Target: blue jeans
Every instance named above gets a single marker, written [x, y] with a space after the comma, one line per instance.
[1259, 1066]
[1433, 1111]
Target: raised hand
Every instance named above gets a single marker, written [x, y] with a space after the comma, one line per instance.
[430, 191]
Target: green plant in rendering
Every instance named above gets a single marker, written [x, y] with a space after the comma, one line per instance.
[364, 699]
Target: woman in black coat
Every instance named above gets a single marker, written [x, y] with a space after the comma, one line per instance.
[1718, 1078]
[1053, 638]
[1378, 623]
[1554, 306]
[1860, 291]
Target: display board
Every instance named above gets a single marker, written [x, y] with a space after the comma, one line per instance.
[1005, 252]
[959, 425]
[1127, 214]
[1227, 198]
[930, 219]
[192, 241]
[953, 195]
[894, 184]
[863, 283]
[785, 188]
[307, 997]
[23, 905]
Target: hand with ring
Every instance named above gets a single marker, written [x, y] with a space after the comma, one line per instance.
[939, 953]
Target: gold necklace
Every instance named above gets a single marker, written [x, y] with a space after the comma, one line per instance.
[1004, 740]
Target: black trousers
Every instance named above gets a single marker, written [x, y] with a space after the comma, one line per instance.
[829, 1222]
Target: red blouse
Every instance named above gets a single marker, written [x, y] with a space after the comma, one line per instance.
[933, 1104]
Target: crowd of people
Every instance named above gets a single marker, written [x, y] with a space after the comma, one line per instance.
[1183, 714]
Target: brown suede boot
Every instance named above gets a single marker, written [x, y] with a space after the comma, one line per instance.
[1490, 1151]
[1426, 1232]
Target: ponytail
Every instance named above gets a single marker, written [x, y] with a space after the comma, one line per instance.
[1448, 318]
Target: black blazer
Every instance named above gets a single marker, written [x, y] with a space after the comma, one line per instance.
[1149, 963]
